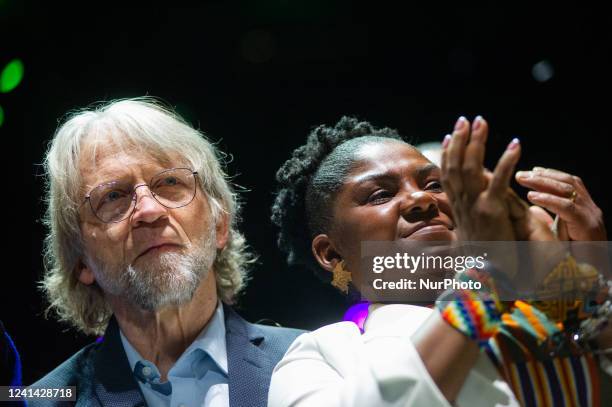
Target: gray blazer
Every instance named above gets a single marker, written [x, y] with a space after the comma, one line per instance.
[102, 374]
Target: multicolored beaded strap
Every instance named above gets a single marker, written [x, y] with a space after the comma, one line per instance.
[475, 313]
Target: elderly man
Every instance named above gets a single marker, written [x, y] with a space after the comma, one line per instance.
[142, 247]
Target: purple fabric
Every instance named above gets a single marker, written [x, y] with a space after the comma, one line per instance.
[357, 313]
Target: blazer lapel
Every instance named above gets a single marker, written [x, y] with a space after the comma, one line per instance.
[114, 383]
[249, 367]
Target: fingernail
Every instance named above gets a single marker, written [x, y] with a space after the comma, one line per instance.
[538, 169]
[514, 144]
[477, 123]
[446, 140]
[460, 123]
[523, 174]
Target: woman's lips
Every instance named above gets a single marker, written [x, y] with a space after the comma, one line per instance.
[431, 231]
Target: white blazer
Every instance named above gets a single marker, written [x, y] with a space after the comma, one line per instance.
[338, 366]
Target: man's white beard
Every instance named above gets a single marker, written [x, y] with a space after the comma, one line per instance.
[171, 280]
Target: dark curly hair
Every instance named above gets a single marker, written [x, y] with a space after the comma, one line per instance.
[309, 180]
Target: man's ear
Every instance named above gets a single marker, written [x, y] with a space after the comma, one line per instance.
[325, 252]
[84, 273]
[222, 228]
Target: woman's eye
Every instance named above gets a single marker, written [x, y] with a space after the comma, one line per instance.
[434, 185]
[380, 197]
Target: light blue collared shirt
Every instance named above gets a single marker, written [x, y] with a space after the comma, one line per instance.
[190, 379]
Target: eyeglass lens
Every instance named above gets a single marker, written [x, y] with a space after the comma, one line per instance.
[114, 201]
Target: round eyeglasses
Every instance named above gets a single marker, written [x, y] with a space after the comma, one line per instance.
[115, 201]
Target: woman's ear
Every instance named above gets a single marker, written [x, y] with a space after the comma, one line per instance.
[325, 252]
[84, 273]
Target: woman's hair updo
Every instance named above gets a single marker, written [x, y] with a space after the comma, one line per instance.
[309, 180]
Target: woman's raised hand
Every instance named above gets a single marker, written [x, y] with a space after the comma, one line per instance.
[566, 196]
[481, 207]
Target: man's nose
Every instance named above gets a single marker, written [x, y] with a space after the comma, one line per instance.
[147, 209]
[419, 205]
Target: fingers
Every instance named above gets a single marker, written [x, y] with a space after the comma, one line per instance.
[505, 168]
[554, 174]
[578, 217]
[520, 226]
[542, 224]
[518, 207]
[488, 176]
[472, 169]
[561, 176]
[542, 183]
[518, 214]
[452, 158]
[541, 215]
[564, 207]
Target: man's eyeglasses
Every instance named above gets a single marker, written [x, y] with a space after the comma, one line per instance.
[115, 201]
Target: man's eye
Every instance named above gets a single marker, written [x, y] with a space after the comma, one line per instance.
[170, 181]
[434, 186]
[113, 196]
[380, 197]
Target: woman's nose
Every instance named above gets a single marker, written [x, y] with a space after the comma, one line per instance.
[419, 204]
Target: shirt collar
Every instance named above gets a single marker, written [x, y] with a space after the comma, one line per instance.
[211, 340]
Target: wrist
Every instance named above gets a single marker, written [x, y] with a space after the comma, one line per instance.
[474, 313]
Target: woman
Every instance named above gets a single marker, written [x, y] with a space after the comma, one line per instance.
[353, 183]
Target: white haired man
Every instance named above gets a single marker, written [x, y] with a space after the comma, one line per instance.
[142, 247]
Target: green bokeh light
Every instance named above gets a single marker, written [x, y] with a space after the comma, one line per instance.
[1, 116]
[11, 76]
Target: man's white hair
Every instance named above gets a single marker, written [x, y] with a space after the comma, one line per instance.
[143, 125]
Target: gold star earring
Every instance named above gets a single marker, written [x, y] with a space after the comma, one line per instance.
[342, 277]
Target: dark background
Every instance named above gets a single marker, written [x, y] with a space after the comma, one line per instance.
[258, 75]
